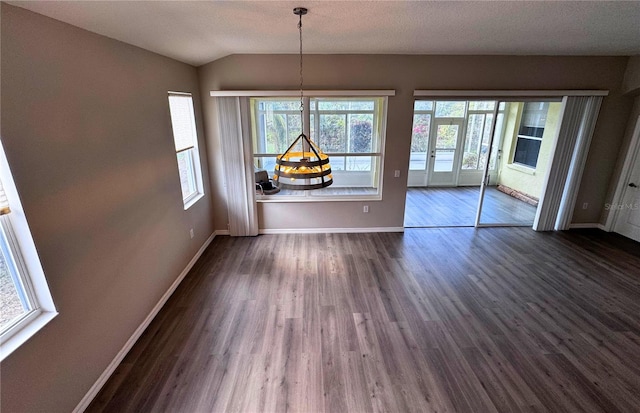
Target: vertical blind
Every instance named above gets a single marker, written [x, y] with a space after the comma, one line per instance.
[4, 202]
[235, 143]
[565, 173]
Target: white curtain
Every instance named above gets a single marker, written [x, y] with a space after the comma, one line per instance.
[563, 177]
[235, 142]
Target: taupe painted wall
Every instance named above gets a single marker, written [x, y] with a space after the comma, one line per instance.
[631, 82]
[86, 129]
[404, 74]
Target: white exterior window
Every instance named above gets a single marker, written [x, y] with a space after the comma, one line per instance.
[534, 118]
[25, 301]
[186, 143]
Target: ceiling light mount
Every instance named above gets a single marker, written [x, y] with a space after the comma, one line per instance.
[300, 11]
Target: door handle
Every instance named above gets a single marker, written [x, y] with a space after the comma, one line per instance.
[632, 185]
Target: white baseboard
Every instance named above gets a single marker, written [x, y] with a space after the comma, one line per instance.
[329, 230]
[587, 225]
[93, 391]
[221, 232]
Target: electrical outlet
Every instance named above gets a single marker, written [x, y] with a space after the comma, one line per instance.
[396, 173]
[365, 209]
[191, 233]
[585, 205]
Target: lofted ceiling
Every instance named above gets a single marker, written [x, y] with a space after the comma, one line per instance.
[198, 32]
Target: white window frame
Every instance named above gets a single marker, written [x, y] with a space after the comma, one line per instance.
[379, 126]
[193, 153]
[28, 269]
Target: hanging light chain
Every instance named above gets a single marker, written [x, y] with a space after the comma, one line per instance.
[301, 77]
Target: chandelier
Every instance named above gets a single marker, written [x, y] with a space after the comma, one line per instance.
[307, 167]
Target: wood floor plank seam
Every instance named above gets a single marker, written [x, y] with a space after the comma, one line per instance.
[432, 320]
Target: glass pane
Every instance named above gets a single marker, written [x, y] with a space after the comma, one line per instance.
[332, 133]
[268, 163]
[361, 133]
[12, 297]
[286, 105]
[358, 163]
[182, 121]
[534, 117]
[187, 177]
[482, 105]
[329, 105]
[313, 130]
[277, 124]
[446, 136]
[337, 163]
[418, 161]
[423, 105]
[450, 109]
[443, 161]
[294, 127]
[527, 151]
[496, 141]
[486, 137]
[473, 141]
[420, 141]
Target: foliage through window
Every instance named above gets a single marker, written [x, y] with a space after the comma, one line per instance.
[478, 135]
[349, 130]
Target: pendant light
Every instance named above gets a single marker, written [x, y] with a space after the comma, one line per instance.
[307, 168]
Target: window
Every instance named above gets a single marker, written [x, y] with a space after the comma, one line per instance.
[349, 130]
[478, 135]
[478, 116]
[186, 143]
[529, 140]
[423, 112]
[25, 300]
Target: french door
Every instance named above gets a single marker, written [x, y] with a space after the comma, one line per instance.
[444, 150]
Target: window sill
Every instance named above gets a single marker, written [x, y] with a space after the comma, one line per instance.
[24, 332]
[521, 168]
[336, 198]
[193, 200]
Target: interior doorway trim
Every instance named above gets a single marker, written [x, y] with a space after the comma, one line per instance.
[632, 153]
[501, 94]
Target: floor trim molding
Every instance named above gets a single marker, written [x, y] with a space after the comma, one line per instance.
[587, 225]
[97, 386]
[329, 230]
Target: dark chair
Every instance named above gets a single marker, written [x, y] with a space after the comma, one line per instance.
[264, 184]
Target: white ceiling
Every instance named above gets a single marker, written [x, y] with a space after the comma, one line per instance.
[198, 32]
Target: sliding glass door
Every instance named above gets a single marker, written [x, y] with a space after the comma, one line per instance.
[512, 188]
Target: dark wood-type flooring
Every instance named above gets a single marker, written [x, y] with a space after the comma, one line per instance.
[456, 207]
[432, 320]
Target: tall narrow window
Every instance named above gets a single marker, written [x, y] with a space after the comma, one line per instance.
[186, 144]
[25, 300]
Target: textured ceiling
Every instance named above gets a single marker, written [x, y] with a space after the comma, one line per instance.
[198, 32]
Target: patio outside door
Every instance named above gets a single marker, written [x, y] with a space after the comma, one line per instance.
[444, 151]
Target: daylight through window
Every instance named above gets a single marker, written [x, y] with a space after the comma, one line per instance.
[186, 143]
[25, 301]
[349, 130]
